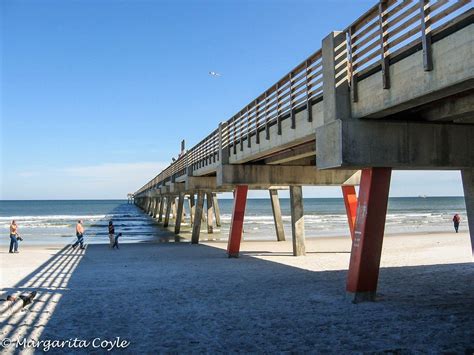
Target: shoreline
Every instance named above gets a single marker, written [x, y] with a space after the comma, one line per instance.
[61, 240]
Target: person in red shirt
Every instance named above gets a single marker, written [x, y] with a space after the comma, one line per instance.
[456, 221]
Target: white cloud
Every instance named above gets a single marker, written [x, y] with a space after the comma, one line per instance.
[101, 181]
[28, 174]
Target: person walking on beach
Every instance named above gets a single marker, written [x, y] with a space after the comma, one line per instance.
[111, 234]
[79, 235]
[116, 241]
[456, 221]
[14, 237]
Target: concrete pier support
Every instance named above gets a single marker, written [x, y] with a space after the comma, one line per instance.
[197, 218]
[350, 201]
[297, 220]
[169, 201]
[173, 207]
[179, 215]
[152, 206]
[468, 185]
[209, 212]
[162, 205]
[217, 211]
[277, 218]
[157, 207]
[148, 205]
[368, 237]
[192, 208]
[237, 223]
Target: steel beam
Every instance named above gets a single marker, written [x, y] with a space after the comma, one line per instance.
[350, 201]
[368, 237]
[237, 223]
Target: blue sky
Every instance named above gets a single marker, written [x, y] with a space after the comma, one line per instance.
[96, 95]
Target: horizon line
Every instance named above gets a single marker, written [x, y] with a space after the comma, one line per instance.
[223, 198]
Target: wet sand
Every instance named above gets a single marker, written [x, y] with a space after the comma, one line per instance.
[191, 298]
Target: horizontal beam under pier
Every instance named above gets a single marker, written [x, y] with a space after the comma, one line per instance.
[193, 183]
[358, 143]
[280, 175]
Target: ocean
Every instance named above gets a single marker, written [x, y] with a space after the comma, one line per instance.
[44, 222]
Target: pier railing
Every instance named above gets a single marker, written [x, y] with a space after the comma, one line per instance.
[388, 29]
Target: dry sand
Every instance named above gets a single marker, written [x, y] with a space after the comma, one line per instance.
[191, 298]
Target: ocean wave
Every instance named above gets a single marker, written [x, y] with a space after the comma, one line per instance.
[52, 217]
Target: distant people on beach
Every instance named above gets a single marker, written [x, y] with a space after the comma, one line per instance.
[116, 245]
[456, 221]
[79, 235]
[111, 234]
[14, 237]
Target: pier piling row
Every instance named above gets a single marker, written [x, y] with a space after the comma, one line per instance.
[393, 90]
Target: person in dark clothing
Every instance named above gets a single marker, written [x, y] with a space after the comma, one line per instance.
[116, 245]
[111, 234]
[456, 221]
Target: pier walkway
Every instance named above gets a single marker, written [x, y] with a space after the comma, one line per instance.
[393, 90]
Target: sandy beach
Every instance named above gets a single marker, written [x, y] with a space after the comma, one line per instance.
[165, 297]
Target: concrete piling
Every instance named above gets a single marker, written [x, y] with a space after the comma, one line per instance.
[297, 220]
[468, 185]
[197, 218]
[192, 208]
[179, 215]
[157, 207]
[210, 213]
[277, 218]
[173, 207]
[168, 211]
[217, 211]
[162, 204]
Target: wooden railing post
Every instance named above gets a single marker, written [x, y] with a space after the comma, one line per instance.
[249, 144]
[223, 150]
[234, 139]
[241, 131]
[257, 133]
[267, 125]
[292, 111]
[383, 44]
[426, 34]
[278, 109]
[309, 107]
